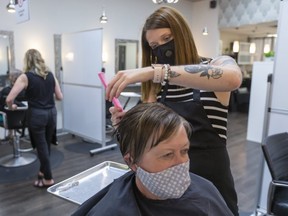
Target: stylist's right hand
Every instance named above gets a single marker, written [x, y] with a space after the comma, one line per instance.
[116, 115]
[126, 77]
[14, 107]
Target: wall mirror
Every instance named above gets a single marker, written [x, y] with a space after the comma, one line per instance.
[7, 58]
[126, 54]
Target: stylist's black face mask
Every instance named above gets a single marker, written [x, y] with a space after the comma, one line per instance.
[165, 53]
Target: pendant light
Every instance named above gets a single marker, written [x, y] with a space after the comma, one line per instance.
[205, 31]
[164, 1]
[252, 48]
[236, 46]
[103, 18]
[11, 6]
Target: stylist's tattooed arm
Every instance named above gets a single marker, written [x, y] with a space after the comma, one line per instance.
[205, 70]
[174, 74]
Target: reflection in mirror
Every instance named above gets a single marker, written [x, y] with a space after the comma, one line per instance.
[7, 59]
[126, 54]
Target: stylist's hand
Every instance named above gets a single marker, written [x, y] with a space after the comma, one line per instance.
[14, 107]
[116, 115]
[126, 77]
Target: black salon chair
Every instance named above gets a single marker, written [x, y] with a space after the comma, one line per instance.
[15, 120]
[275, 149]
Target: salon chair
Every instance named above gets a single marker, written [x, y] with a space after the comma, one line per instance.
[275, 149]
[15, 120]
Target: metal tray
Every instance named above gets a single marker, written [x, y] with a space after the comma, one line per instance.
[84, 185]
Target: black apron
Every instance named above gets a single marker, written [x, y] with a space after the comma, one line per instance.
[208, 154]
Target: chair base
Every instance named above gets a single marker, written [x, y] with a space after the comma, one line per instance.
[22, 160]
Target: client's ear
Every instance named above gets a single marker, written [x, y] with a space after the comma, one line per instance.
[129, 161]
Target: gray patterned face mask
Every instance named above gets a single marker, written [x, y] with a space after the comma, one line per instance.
[167, 184]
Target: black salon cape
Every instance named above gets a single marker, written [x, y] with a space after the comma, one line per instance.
[122, 198]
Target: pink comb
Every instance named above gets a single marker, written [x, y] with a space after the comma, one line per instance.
[115, 101]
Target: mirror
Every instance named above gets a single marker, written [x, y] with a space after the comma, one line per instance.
[126, 54]
[7, 59]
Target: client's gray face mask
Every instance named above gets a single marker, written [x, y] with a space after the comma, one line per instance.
[167, 184]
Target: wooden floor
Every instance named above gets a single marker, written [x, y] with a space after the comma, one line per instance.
[17, 199]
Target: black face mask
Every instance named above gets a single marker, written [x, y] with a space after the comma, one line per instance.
[165, 53]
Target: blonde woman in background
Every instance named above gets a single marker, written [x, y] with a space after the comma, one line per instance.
[40, 85]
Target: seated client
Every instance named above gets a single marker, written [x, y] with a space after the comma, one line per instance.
[13, 75]
[154, 142]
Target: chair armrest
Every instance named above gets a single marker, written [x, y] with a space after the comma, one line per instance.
[273, 185]
[277, 183]
[18, 108]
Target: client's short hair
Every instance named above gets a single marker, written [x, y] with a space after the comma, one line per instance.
[145, 126]
[13, 75]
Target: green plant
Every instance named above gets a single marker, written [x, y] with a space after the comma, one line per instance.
[269, 54]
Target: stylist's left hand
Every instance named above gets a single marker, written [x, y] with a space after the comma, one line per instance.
[126, 77]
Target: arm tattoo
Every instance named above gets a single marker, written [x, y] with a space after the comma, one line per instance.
[174, 74]
[205, 71]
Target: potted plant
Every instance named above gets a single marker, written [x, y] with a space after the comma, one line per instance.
[269, 56]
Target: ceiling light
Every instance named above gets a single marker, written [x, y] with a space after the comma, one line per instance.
[236, 46]
[205, 31]
[11, 6]
[266, 48]
[164, 1]
[252, 48]
[271, 35]
[103, 18]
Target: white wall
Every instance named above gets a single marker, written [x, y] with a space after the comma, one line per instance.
[125, 21]
[260, 90]
[203, 15]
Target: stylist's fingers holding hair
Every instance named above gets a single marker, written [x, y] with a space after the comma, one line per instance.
[116, 115]
[117, 85]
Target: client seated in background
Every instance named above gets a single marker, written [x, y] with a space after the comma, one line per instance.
[154, 142]
[13, 75]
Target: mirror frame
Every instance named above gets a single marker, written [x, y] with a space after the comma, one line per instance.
[57, 54]
[120, 41]
[11, 57]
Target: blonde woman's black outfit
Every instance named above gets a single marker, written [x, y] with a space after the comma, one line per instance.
[41, 116]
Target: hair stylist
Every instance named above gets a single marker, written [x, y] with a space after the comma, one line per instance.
[40, 85]
[196, 88]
